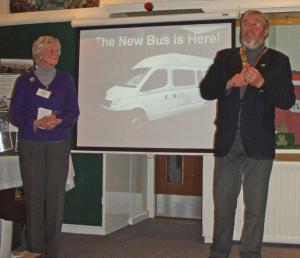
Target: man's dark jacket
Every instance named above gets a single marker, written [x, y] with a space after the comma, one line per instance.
[257, 106]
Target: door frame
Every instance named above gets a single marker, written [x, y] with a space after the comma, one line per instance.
[208, 165]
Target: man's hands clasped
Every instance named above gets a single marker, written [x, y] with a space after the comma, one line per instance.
[248, 76]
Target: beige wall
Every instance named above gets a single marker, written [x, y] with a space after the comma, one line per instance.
[4, 6]
[121, 6]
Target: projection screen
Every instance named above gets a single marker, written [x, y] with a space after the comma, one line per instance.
[138, 86]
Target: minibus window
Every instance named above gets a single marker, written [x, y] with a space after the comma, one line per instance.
[183, 77]
[158, 79]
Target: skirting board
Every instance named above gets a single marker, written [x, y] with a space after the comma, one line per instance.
[138, 218]
[82, 229]
[95, 230]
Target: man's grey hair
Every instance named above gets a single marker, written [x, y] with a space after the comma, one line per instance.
[264, 19]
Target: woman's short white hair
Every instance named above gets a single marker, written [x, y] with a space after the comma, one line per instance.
[41, 44]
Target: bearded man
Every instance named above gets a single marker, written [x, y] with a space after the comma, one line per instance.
[249, 83]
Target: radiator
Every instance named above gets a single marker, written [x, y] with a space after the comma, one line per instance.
[282, 224]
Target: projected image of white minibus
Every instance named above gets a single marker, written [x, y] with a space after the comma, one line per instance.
[159, 86]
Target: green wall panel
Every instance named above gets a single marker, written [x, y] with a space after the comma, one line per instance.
[83, 203]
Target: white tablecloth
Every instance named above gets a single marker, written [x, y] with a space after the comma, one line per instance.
[10, 176]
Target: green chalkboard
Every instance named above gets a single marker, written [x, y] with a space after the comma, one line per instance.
[83, 203]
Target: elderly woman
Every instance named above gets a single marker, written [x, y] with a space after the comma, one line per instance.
[44, 107]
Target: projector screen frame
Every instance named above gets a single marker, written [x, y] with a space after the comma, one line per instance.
[130, 149]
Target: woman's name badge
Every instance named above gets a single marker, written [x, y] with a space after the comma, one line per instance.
[43, 93]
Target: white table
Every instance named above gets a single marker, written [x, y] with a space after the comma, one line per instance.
[10, 176]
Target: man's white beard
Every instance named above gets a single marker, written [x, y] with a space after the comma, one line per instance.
[253, 43]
